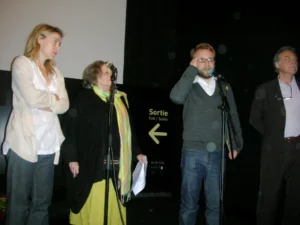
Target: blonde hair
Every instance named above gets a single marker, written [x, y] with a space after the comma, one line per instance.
[202, 46]
[91, 73]
[32, 46]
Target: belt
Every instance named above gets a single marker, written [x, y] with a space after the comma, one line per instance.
[290, 139]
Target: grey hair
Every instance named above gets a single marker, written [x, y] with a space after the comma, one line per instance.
[282, 49]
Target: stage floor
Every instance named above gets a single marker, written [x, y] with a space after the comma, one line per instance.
[158, 211]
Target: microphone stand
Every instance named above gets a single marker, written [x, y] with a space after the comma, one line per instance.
[226, 116]
[113, 90]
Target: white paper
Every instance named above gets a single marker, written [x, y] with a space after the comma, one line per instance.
[139, 177]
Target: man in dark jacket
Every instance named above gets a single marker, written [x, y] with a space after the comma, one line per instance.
[275, 114]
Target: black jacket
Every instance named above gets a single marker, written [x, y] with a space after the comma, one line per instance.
[86, 129]
[268, 115]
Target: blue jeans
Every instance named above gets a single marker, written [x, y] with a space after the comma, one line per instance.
[29, 189]
[198, 166]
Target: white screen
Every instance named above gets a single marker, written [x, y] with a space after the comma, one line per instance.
[94, 30]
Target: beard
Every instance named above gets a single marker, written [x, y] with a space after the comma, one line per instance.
[204, 74]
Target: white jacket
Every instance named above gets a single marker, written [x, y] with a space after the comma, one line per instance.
[20, 132]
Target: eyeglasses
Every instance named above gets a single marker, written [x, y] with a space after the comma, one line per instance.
[203, 60]
[291, 94]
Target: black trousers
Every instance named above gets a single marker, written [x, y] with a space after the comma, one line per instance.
[279, 194]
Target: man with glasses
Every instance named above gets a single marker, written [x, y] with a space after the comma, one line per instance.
[275, 114]
[199, 92]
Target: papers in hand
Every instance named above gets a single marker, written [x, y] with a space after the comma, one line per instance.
[139, 177]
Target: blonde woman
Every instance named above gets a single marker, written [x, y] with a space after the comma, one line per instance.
[33, 134]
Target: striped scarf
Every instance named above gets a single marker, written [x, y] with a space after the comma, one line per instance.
[125, 141]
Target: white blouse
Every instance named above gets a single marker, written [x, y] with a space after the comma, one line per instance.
[44, 122]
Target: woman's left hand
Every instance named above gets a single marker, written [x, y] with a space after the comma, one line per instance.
[142, 159]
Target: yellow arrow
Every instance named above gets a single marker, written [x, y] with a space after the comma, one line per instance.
[152, 133]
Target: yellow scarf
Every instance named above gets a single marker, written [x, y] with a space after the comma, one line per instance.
[125, 141]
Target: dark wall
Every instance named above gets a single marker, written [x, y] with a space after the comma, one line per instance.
[160, 35]
[5, 108]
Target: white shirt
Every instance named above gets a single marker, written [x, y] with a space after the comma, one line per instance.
[291, 99]
[20, 132]
[44, 122]
[208, 87]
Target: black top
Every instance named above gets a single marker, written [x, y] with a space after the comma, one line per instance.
[268, 113]
[86, 130]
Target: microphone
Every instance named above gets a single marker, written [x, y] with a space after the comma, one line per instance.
[215, 74]
[113, 69]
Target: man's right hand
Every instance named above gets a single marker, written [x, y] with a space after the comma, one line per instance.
[194, 62]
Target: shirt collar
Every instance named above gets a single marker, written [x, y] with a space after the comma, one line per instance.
[201, 80]
[292, 82]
